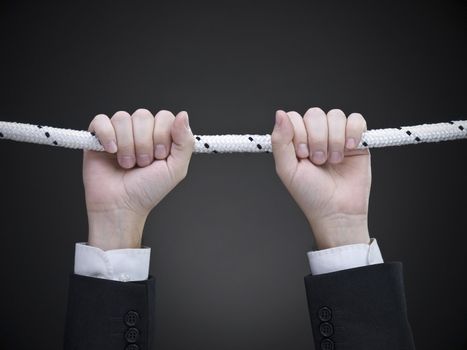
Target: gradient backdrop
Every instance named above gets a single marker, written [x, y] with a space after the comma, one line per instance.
[229, 244]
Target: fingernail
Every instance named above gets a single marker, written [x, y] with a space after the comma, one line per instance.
[111, 146]
[160, 152]
[126, 161]
[302, 151]
[319, 157]
[351, 143]
[336, 157]
[144, 159]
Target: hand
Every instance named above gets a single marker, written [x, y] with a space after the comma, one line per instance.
[145, 157]
[317, 160]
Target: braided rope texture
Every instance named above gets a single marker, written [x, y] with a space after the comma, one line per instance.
[79, 139]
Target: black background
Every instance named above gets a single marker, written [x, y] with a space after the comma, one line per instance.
[229, 244]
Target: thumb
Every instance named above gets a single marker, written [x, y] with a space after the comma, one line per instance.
[182, 146]
[282, 145]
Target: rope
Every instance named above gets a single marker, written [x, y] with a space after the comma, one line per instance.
[407, 135]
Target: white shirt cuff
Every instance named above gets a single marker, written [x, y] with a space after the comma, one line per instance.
[344, 257]
[123, 265]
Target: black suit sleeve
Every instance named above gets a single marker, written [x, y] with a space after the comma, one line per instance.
[104, 314]
[361, 308]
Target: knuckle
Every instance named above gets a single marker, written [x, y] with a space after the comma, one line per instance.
[293, 114]
[314, 111]
[98, 120]
[356, 123]
[355, 117]
[164, 113]
[120, 116]
[142, 113]
[336, 114]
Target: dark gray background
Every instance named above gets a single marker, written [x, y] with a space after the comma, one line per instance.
[229, 243]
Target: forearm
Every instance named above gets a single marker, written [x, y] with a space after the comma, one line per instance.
[113, 250]
[339, 230]
[116, 229]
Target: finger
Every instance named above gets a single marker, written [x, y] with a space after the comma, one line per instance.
[317, 129]
[282, 144]
[336, 142]
[104, 130]
[143, 130]
[300, 138]
[356, 125]
[162, 139]
[122, 124]
[182, 146]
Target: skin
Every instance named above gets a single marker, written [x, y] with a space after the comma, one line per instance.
[122, 185]
[146, 156]
[329, 179]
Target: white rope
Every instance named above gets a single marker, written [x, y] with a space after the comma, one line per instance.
[78, 139]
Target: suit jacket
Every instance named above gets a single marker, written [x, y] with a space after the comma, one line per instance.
[104, 314]
[361, 308]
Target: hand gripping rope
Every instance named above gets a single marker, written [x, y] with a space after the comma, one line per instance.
[78, 139]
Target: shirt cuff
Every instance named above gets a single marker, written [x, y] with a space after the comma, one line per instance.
[124, 265]
[344, 257]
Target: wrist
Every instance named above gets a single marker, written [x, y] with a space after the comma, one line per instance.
[116, 229]
[340, 229]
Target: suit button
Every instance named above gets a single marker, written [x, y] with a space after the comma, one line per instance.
[131, 318]
[324, 314]
[132, 335]
[327, 344]
[132, 347]
[326, 329]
